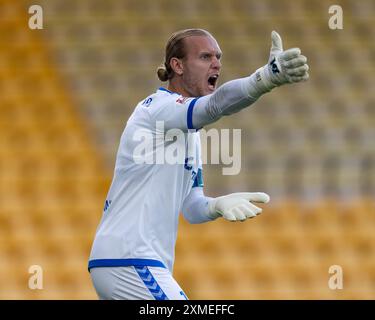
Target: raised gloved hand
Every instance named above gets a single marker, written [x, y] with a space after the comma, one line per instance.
[237, 206]
[283, 66]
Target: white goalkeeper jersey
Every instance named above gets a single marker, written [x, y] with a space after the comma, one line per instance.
[158, 162]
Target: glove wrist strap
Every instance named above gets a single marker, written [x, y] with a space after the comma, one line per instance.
[260, 82]
[212, 213]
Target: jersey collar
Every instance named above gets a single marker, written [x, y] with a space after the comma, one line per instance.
[170, 92]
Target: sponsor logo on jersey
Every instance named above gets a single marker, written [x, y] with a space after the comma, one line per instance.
[107, 204]
[147, 102]
[188, 162]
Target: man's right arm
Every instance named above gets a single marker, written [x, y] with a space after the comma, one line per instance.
[283, 67]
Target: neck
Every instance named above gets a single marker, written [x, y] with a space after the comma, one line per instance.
[175, 86]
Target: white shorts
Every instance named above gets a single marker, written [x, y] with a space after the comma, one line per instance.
[135, 283]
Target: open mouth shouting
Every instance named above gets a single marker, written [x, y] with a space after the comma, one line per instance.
[212, 81]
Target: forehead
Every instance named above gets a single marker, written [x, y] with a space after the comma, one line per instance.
[197, 44]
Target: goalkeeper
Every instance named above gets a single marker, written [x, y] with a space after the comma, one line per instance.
[133, 251]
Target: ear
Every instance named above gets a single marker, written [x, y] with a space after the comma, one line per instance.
[177, 66]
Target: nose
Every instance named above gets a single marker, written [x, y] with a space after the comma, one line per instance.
[216, 63]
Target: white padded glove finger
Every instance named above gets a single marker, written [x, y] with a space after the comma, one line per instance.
[299, 79]
[290, 54]
[283, 66]
[239, 213]
[249, 213]
[298, 71]
[237, 206]
[295, 63]
[254, 209]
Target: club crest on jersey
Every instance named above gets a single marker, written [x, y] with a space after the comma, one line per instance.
[182, 100]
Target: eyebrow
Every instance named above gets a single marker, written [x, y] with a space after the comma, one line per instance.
[218, 54]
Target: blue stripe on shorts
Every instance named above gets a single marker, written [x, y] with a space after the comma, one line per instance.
[150, 283]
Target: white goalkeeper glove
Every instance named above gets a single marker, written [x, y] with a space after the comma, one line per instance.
[283, 66]
[237, 206]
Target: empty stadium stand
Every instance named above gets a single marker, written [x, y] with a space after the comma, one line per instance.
[68, 90]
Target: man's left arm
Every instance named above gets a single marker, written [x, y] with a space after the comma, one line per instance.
[197, 208]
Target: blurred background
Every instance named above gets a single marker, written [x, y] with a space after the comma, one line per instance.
[67, 91]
